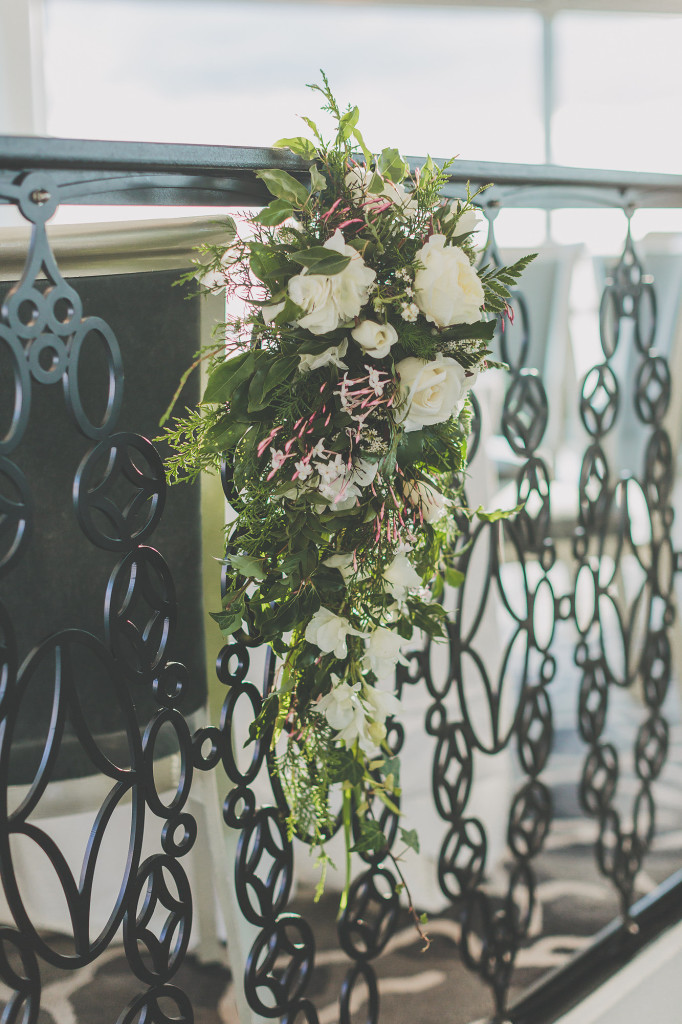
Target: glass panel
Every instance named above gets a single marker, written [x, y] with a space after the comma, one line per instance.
[426, 80]
[618, 91]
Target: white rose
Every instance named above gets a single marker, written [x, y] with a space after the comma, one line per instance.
[401, 198]
[447, 289]
[467, 222]
[431, 390]
[313, 293]
[328, 631]
[383, 652]
[375, 339]
[351, 287]
[357, 180]
[401, 576]
[307, 361]
[427, 498]
[328, 301]
[270, 312]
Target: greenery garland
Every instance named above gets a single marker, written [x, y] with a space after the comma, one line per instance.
[338, 396]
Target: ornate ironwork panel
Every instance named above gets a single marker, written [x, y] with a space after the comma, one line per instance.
[102, 683]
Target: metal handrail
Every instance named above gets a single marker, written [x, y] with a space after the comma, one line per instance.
[100, 172]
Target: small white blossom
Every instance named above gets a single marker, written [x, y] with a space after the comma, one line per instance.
[278, 458]
[328, 631]
[375, 381]
[341, 704]
[332, 355]
[347, 713]
[401, 576]
[345, 562]
[405, 201]
[304, 470]
[328, 470]
[383, 652]
[346, 401]
[318, 451]
[381, 703]
[363, 731]
[409, 311]
[426, 498]
[373, 442]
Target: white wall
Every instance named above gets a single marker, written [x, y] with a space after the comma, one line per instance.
[647, 991]
[22, 91]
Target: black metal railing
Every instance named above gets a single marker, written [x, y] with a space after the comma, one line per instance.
[565, 623]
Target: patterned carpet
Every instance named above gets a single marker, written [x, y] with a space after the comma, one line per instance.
[573, 902]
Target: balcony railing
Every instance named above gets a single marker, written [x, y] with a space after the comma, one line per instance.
[541, 745]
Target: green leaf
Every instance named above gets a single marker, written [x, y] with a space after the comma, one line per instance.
[347, 124]
[247, 566]
[299, 144]
[427, 171]
[230, 620]
[304, 561]
[363, 146]
[454, 578]
[280, 370]
[266, 719]
[499, 513]
[313, 127]
[391, 766]
[411, 447]
[371, 837]
[227, 376]
[327, 578]
[318, 182]
[275, 213]
[392, 165]
[255, 401]
[225, 435]
[410, 838]
[346, 768]
[320, 260]
[437, 588]
[282, 185]
[286, 617]
[268, 264]
[483, 330]
[288, 314]
[376, 185]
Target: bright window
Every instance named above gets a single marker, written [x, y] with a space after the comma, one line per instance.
[619, 91]
[427, 79]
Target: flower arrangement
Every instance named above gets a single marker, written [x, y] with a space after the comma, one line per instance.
[338, 398]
